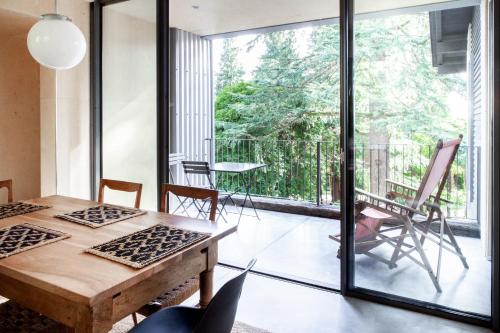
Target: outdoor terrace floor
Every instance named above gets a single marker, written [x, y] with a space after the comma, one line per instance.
[298, 247]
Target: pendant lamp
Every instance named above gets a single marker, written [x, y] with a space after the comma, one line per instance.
[56, 42]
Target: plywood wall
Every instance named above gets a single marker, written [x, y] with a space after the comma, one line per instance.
[19, 109]
[64, 108]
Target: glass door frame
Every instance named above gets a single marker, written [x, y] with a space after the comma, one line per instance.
[348, 287]
[162, 89]
[347, 133]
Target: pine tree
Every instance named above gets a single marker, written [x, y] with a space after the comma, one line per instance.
[280, 102]
[231, 71]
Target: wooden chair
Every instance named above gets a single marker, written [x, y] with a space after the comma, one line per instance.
[191, 286]
[195, 193]
[8, 185]
[118, 185]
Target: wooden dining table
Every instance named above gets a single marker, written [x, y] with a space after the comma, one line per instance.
[89, 293]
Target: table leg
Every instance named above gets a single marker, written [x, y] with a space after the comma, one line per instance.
[207, 276]
[206, 287]
[247, 195]
[96, 319]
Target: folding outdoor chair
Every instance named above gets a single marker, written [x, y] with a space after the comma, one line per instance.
[203, 169]
[413, 216]
[175, 159]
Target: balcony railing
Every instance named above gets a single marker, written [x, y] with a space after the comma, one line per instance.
[310, 171]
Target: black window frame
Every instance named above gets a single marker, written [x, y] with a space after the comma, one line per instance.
[347, 287]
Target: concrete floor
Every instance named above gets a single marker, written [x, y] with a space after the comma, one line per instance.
[298, 247]
[290, 308]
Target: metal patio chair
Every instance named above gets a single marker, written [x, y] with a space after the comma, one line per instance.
[408, 213]
[175, 159]
[203, 169]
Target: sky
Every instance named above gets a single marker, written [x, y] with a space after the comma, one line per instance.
[249, 60]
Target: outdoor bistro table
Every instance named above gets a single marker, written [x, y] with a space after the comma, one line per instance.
[240, 169]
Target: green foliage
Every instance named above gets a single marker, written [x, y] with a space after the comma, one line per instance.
[232, 105]
[293, 101]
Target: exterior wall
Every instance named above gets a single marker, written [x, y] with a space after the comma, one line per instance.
[486, 128]
[475, 113]
[192, 111]
[129, 104]
[19, 110]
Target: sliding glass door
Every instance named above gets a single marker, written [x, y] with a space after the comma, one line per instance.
[417, 160]
[421, 153]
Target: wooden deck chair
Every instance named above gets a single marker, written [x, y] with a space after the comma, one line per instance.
[415, 214]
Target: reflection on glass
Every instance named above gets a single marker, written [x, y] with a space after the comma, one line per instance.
[418, 129]
[129, 98]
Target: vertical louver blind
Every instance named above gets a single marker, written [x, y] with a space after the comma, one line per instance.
[191, 99]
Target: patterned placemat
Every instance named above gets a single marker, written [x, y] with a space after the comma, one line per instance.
[147, 246]
[101, 215]
[26, 236]
[18, 208]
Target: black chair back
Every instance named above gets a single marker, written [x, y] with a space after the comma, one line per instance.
[221, 311]
[197, 168]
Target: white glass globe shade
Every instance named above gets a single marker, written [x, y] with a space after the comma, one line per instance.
[55, 42]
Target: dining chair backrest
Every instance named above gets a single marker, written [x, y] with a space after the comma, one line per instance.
[190, 192]
[118, 185]
[197, 168]
[437, 172]
[221, 311]
[8, 185]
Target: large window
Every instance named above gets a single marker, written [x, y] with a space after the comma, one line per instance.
[411, 136]
[421, 148]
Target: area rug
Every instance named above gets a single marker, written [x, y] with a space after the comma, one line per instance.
[147, 246]
[26, 236]
[126, 325]
[101, 215]
[18, 208]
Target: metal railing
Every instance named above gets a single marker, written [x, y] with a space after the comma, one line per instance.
[310, 171]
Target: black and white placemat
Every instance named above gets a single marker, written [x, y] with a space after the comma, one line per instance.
[26, 236]
[101, 215]
[18, 208]
[147, 246]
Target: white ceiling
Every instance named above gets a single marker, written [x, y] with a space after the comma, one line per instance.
[222, 16]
